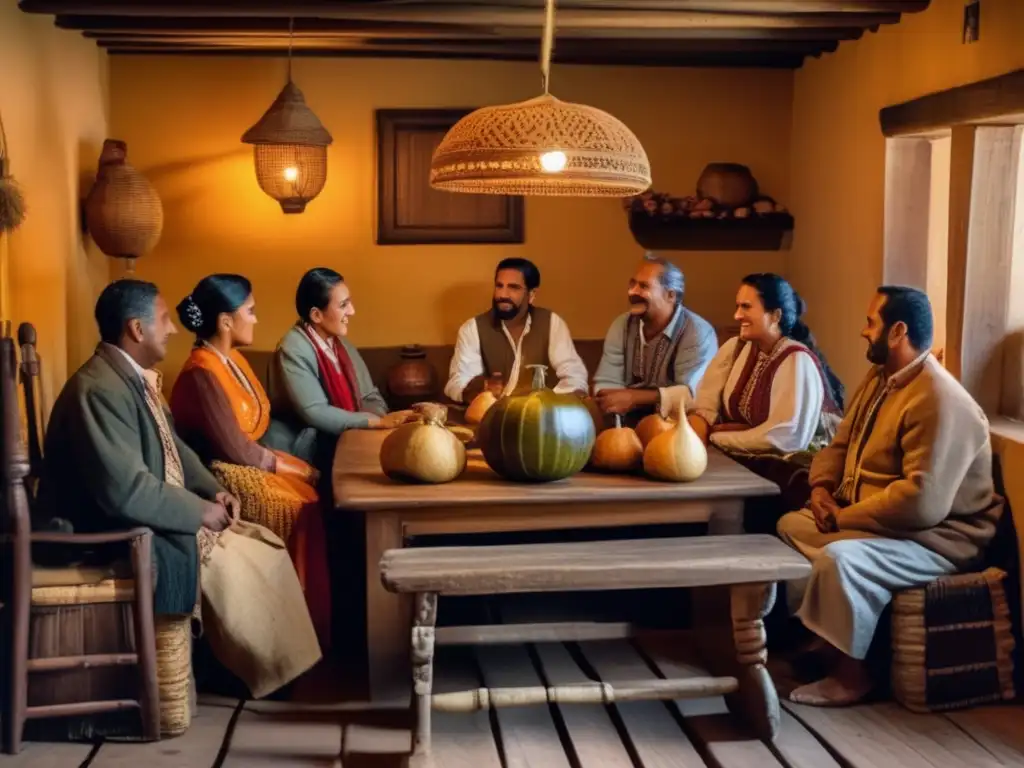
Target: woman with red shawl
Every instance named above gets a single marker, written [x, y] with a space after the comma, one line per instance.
[319, 384]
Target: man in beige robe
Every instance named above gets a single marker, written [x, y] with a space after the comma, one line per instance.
[902, 496]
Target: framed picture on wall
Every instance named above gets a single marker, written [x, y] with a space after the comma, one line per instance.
[409, 211]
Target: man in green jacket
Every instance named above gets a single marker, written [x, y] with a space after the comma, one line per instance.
[112, 459]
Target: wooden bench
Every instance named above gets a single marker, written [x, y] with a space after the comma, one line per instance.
[748, 567]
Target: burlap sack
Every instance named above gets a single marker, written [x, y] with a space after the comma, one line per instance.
[254, 611]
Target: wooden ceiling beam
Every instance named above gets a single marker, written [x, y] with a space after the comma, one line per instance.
[718, 6]
[526, 46]
[340, 8]
[754, 60]
[530, 18]
[484, 33]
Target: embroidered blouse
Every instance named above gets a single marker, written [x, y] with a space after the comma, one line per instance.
[779, 395]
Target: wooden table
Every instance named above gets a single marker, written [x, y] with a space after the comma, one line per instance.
[481, 502]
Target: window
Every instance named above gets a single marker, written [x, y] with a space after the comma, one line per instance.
[954, 227]
[917, 220]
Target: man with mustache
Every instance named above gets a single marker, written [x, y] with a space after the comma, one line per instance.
[494, 349]
[902, 496]
[656, 353]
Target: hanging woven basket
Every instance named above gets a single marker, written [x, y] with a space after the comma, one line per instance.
[502, 150]
[123, 210]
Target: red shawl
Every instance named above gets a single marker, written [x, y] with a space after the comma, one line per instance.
[342, 387]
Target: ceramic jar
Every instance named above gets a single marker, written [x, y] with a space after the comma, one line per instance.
[731, 185]
[412, 379]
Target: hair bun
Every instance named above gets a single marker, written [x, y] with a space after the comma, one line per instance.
[190, 315]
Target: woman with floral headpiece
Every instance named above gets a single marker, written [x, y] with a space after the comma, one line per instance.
[222, 411]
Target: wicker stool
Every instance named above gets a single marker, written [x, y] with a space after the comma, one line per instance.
[174, 673]
[952, 643]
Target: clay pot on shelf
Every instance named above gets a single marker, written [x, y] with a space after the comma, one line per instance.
[729, 184]
[412, 379]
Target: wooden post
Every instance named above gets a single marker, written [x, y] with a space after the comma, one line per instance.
[423, 676]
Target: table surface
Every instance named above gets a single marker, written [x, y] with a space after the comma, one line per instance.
[360, 484]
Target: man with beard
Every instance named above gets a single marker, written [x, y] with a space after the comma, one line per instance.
[656, 353]
[902, 496]
[494, 349]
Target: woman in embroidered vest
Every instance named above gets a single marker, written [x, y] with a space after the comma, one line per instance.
[221, 410]
[319, 384]
[769, 390]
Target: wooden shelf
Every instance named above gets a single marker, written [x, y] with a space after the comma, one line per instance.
[758, 233]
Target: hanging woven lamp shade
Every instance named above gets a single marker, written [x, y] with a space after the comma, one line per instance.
[123, 212]
[543, 146]
[290, 150]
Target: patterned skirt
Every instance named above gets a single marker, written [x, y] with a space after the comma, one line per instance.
[291, 509]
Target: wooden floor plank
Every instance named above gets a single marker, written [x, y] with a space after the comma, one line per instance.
[999, 729]
[281, 739]
[460, 740]
[40, 754]
[799, 747]
[593, 734]
[725, 739]
[528, 734]
[888, 736]
[656, 736]
[197, 747]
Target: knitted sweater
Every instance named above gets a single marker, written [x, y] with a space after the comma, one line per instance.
[912, 460]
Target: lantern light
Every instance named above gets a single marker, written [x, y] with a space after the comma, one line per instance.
[290, 147]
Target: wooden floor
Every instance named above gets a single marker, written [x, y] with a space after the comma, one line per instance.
[682, 734]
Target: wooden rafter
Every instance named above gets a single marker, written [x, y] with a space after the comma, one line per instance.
[768, 33]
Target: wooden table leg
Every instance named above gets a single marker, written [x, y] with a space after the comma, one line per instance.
[423, 677]
[729, 632]
[388, 617]
[756, 698]
[726, 517]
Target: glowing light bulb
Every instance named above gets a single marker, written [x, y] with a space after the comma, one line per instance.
[553, 162]
[291, 173]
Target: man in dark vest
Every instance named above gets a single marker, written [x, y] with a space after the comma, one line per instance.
[656, 353]
[495, 349]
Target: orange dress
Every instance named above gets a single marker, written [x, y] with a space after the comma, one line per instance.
[221, 410]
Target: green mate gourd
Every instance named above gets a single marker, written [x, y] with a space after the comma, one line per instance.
[539, 436]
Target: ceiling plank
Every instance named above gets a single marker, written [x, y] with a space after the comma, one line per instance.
[337, 9]
[719, 6]
[739, 60]
[495, 16]
[474, 33]
[527, 46]
[769, 33]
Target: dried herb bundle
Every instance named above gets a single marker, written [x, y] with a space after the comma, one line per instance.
[12, 202]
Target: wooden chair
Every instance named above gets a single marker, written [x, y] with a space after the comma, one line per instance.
[42, 604]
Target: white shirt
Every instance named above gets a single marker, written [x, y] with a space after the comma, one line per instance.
[467, 362]
[131, 361]
[794, 410]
